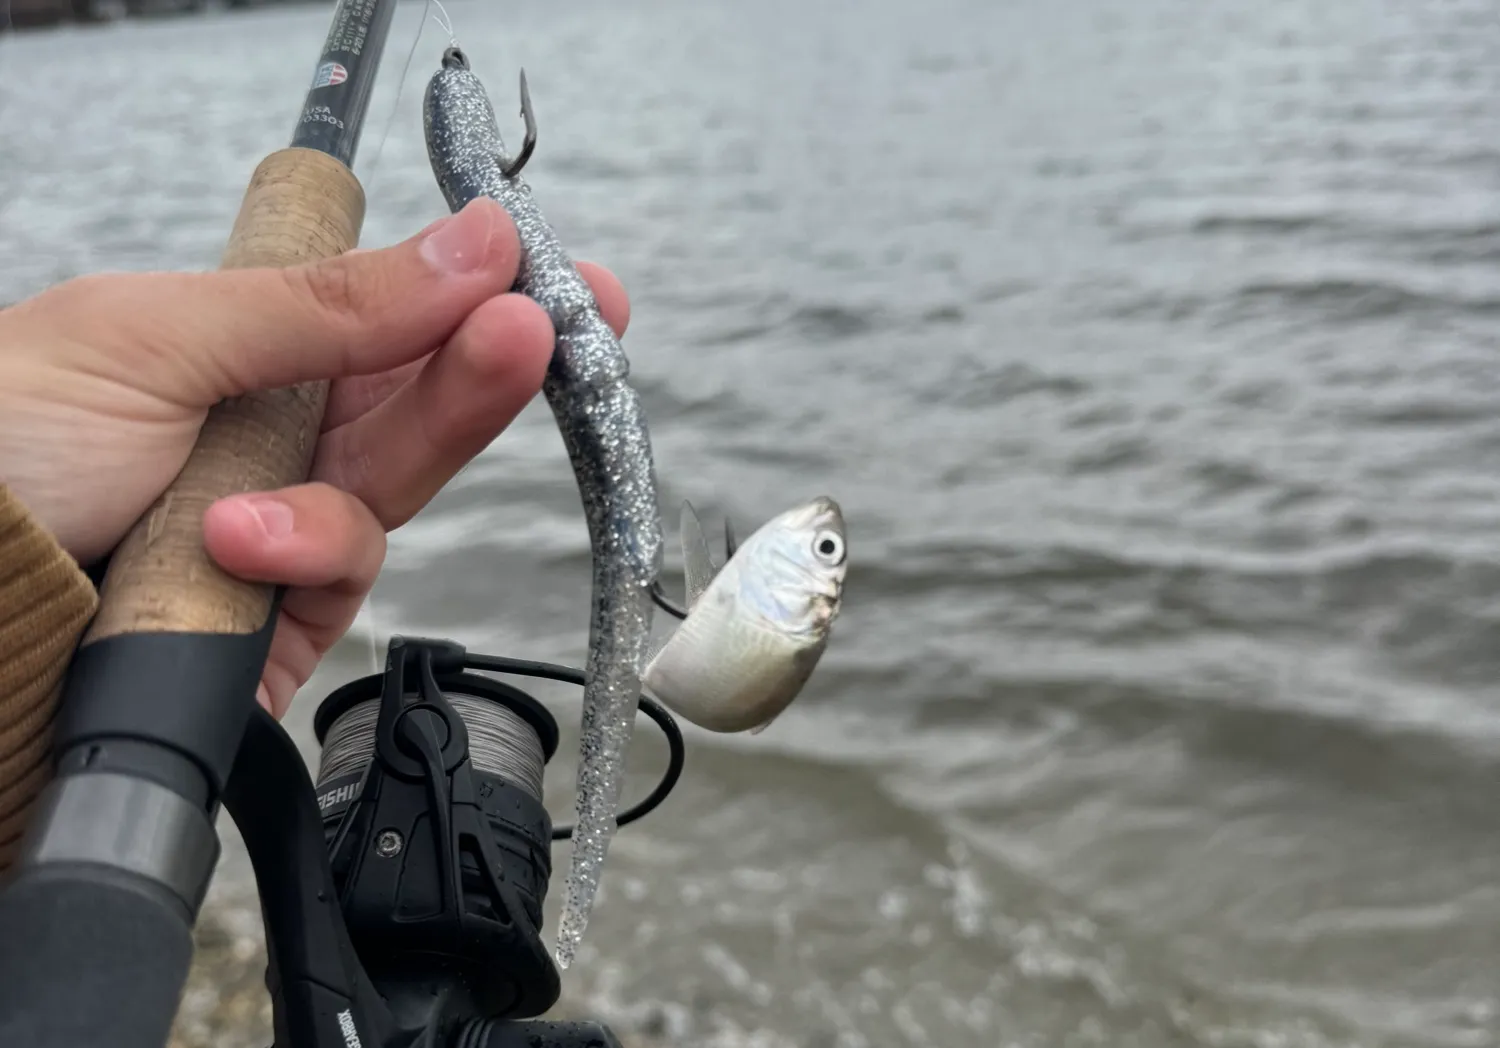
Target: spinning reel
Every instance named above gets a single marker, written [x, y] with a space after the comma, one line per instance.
[405, 908]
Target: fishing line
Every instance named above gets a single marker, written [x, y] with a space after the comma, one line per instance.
[503, 740]
[501, 743]
[446, 24]
[371, 632]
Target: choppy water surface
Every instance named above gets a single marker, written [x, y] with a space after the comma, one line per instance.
[1150, 349]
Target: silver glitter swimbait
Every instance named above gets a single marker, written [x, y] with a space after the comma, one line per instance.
[604, 430]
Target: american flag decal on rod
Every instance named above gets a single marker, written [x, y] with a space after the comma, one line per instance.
[329, 74]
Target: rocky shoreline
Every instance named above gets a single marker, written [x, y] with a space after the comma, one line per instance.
[225, 1004]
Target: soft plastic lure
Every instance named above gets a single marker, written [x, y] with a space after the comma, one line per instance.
[604, 430]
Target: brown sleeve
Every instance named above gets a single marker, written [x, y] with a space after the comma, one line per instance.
[45, 602]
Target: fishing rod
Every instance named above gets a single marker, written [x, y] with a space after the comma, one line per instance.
[97, 920]
[401, 896]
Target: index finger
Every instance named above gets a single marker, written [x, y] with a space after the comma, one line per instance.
[351, 398]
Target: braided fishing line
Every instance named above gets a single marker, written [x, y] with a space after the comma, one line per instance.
[501, 743]
[446, 24]
[502, 740]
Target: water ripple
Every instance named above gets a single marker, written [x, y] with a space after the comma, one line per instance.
[1151, 350]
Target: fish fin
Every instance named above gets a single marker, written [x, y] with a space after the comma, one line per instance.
[654, 651]
[697, 562]
[762, 727]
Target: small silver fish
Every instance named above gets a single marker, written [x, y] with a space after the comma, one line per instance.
[756, 629]
[604, 429]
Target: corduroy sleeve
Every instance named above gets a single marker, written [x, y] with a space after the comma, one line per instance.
[45, 602]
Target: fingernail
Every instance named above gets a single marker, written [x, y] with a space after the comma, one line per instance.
[273, 516]
[462, 244]
[263, 696]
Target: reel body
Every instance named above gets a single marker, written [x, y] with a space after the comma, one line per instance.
[403, 894]
[441, 863]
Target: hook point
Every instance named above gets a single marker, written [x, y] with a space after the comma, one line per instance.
[528, 145]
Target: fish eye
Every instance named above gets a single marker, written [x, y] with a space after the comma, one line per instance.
[829, 547]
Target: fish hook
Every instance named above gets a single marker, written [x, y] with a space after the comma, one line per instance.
[528, 144]
[670, 606]
[666, 603]
[454, 58]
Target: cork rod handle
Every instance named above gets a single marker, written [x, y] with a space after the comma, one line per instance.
[301, 205]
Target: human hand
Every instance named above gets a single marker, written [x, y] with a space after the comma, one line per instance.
[105, 381]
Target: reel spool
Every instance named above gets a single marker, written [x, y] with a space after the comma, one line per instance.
[430, 789]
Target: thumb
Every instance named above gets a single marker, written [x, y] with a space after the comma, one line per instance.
[205, 336]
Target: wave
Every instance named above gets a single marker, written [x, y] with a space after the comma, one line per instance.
[1390, 588]
[1111, 455]
[668, 402]
[1420, 411]
[1377, 226]
[830, 321]
[973, 382]
[595, 167]
[1329, 299]
[1266, 222]
[1220, 477]
[1357, 298]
